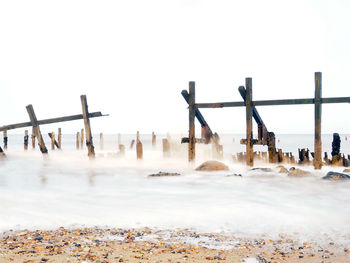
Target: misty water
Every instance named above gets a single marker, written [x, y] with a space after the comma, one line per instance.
[67, 189]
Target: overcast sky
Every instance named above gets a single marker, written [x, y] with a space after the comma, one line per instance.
[132, 58]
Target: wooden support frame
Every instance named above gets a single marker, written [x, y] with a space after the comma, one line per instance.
[265, 137]
[88, 135]
[36, 128]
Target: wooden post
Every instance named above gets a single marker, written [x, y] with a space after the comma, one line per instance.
[89, 142]
[33, 138]
[154, 140]
[191, 110]
[77, 143]
[52, 140]
[101, 141]
[59, 138]
[139, 150]
[5, 140]
[82, 138]
[36, 128]
[166, 147]
[249, 113]
[271, 146]
[318, 115]
[26, 136]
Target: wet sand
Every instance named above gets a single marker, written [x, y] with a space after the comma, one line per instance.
[146, 245]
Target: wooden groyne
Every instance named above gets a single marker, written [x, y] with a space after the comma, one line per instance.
[36, 132]
[264, 137]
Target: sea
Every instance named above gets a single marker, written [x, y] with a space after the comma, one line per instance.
[66, 188]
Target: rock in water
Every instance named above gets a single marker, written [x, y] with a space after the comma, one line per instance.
[164, 174]
[212, 166]
[347, 170]
[296, 172]
[262, 169]
[336, 176]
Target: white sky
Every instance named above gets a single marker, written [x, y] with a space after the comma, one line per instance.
[132, 58]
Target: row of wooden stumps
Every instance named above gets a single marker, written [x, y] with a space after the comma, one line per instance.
[54, 144]
[337, 158]
[139, 146]
[278, 157]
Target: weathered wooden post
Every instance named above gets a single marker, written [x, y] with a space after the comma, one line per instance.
[77, 142]
[5, 139]
[166, 147]
[26, 137]
[336, 149]
[101, 141]
[36, 128]
[318, 116]
[191, 132]
[249, 113]
[154, 140]
[59, 138]
[89, 142]
[82, 138]
[52, 140]
[33, 138]
[139, 150]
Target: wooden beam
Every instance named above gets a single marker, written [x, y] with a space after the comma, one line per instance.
[53, 120]
[88, 135]
[36, 128]
[272, 102]
[318, 117]
[249, 122]
[191, 132]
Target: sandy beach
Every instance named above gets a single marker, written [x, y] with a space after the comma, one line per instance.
[146, 245]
